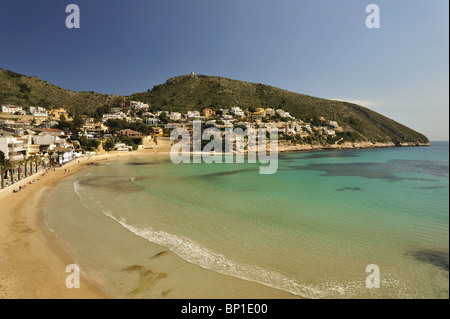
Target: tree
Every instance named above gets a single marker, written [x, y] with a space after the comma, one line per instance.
[2, 158]
[89, 145]
[164, 118]
[116, 125]
[30, 160]
[109, 145]
[4, 167]
[12, 166]
[50, 153]
[78, 122]
[20, 163]
[2, 172]
[37, 159]
[100, 111]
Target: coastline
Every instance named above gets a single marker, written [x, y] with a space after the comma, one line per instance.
[33, 261]
[33, 264]
[287, 147]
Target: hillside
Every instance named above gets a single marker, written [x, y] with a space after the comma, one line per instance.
[198, 92]
[22, 90]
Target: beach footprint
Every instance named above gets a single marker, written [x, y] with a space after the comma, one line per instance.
[147, 279]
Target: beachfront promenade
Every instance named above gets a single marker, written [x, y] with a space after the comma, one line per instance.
[46, 169]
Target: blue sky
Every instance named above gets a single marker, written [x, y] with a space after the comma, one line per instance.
[316, 47]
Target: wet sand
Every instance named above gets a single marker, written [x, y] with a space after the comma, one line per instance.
[33, 263]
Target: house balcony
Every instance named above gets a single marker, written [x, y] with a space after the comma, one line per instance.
[16, 157]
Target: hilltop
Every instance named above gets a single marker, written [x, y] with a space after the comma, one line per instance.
[196, 92]
[22, 90]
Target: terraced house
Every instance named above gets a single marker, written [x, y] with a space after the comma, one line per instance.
[14, 149]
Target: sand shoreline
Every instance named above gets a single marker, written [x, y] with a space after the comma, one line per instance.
[32, 263]
[33, 260]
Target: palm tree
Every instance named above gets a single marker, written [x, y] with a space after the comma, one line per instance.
[19, 168]
[25, 162]
[50, 153]
[12, 166]
[7, 165]
[3, 169]
[2, 165]
[37, 159]
[30, 160]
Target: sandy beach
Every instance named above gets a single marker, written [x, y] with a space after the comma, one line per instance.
[33, 263]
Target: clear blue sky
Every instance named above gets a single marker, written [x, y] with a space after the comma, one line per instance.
[316, 47]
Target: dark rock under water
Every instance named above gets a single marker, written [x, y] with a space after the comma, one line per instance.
[437, 258]
[349, 189]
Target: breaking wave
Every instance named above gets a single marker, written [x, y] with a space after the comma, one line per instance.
[197, 254]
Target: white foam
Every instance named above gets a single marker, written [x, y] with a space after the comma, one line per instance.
[78, 189]
[195, 253]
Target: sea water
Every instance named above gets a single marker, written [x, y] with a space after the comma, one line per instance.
[311, 229]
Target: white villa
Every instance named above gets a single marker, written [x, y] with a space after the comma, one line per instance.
[283, 114]
[116, 116]
[38, 111]
[175, 116]
[11, 109]
[13, 148]
[193, 114]
[152, 121]
[138, 105]
[237, 111]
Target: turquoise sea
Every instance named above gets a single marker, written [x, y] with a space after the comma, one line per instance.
[311, 229]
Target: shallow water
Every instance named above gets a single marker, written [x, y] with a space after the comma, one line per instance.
[310, 229]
